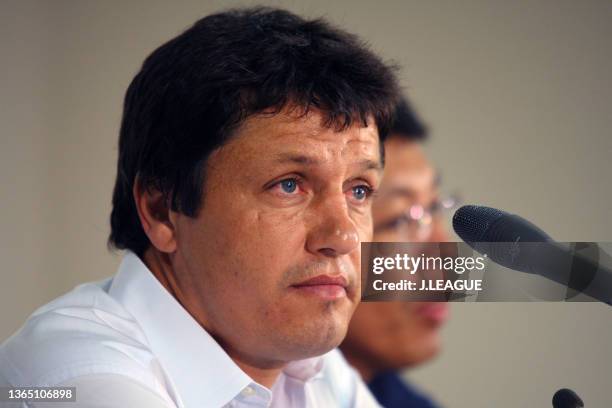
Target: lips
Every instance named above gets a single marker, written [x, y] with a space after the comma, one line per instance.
[324, 286]
[325, 280]
[435, 312]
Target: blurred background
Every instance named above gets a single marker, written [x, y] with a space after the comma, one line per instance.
[517, 95]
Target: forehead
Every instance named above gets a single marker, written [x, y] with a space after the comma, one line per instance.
[407, 165]
[273, 134]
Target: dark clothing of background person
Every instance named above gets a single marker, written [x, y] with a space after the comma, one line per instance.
[393, 392]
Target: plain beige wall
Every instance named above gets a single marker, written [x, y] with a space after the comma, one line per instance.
[518, 95]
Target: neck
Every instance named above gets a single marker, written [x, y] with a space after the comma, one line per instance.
[264, 374]
[366, 370]
[160, 265]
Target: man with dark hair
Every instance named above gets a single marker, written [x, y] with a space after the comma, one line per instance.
[249, 150]
[406, 208]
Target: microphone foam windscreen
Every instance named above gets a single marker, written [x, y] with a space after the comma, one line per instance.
[566, 398]
[471, 222]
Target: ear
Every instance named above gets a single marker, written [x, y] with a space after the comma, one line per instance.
[157, 219]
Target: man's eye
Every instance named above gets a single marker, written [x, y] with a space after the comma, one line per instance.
[288, 186]
[361, 192]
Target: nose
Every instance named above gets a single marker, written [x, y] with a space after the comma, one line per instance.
[439, 231]
[333, 232]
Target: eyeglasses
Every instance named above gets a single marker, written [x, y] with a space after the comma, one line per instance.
[416, 221]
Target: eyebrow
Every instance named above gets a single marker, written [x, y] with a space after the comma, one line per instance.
[400, 192]
[299, 158]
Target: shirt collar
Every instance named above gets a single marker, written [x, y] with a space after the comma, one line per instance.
[203, 374]
[201, 371]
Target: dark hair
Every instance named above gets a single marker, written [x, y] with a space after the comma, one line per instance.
[406, 123]
[194, 90]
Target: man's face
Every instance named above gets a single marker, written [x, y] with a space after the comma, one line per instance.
[400, 334]
[270, 264]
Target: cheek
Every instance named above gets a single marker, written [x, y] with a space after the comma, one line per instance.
[396, 236]
[253, 247]
[365, 318]
[276, 240]
[278, 228]
[375, 330]
[363, 223]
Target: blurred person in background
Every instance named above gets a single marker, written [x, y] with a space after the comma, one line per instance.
[387, 337]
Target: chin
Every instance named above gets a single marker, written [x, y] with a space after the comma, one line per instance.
[421, 352]
[316, 337]
[328, 336]
[314, 327]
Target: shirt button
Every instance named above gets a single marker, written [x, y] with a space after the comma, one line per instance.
[248, 391]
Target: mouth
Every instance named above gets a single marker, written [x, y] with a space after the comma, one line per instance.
[434, 312]
[324, 286]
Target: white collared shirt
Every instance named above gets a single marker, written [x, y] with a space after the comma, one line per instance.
[126, 342]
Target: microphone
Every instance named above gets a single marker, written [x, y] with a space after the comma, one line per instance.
[566, 398]
[502, 236]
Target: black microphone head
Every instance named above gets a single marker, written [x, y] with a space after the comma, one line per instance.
[472, 222]
[497, 233]
[566, 398]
